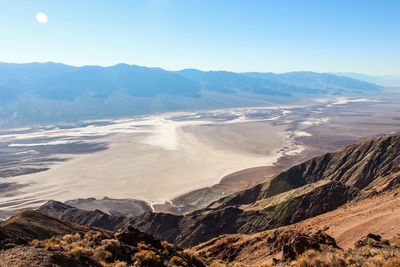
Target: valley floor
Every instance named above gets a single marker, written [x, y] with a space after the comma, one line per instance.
[179, 157]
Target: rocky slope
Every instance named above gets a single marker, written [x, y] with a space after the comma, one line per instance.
[346, 225]
[312, 213]
[314, 187]
[94, 218]
[30, 225]
[29, 245]
[288, 246]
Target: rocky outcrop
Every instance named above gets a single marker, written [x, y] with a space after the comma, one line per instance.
[373, 240]
[299, 243]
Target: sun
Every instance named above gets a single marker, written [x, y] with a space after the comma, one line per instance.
[42, 18]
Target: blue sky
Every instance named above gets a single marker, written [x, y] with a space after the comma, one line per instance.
[238, 35]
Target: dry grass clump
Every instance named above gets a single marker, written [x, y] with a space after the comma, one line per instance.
[393, 263]
[315, 258]
[219, 263]
[92, 244]
[147, 258]
[177, 261]
[109, 250]
[368, 257]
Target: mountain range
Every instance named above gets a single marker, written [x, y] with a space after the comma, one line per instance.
[48, 92]
[338, 209]
[383, 80]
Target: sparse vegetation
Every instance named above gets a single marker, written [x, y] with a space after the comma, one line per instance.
[368, 257]
[108, 250]
[369, 251]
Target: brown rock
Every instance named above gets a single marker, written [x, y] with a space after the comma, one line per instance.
[298, 244]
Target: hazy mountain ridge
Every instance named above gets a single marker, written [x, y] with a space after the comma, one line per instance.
[383, 80]
[47, 92]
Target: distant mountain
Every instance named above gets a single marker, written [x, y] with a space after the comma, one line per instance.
[318, 81]
[386, 80]
[60, 82]
[50, 92]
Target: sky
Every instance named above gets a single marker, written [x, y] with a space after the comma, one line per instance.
[237, 35]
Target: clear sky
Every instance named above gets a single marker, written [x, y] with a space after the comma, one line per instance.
[238, 35]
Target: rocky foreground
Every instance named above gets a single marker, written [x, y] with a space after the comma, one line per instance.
[339, 209]
[32, 238]
[35, 239]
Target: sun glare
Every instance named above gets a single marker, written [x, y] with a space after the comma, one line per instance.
[42, 18]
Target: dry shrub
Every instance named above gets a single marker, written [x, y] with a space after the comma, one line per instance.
[120, 264]
[168, 247]
[393, 263]
[177, 261]
[313, 258]
[89, 245]
[46, 244]
[71, 238]
[143, 246]
[146, 258]
[101, 254]
[366, 257]
[78, 251]
[218, 264]
[115, 264]
[101, 248]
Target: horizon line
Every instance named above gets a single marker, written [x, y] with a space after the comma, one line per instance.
[203, 70]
